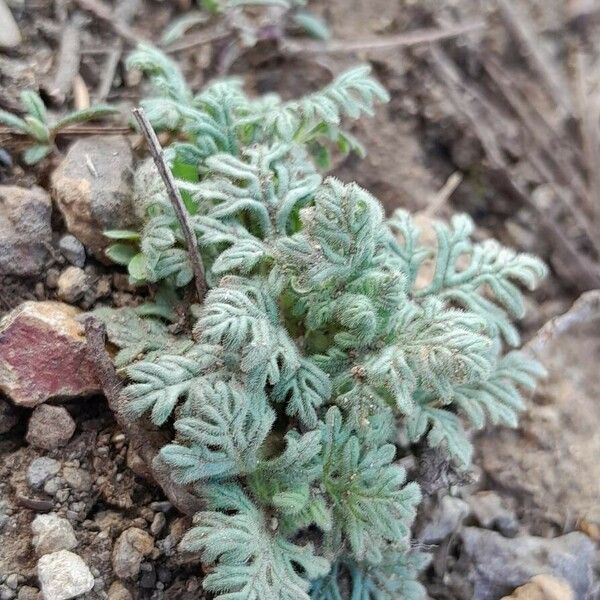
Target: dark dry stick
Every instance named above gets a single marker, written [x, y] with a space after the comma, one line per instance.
[105, 13]
[412, 38]
[176, 200]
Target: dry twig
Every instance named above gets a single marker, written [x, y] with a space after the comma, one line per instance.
[105, 13]
[412, 38]
[176, 200]
[524, 32]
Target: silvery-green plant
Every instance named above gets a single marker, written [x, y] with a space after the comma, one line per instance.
[37, 124]
[314, 347]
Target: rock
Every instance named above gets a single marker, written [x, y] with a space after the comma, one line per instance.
[118, 591]
[50, 427]
[25, 231]
[499, 564]
[72, 249]
[72, 284]
[543, 587]
[28, 592]
[551, 462]
[10, 36]
[158, 523]
[77, 479]
[130, 548]
[93, 189]
[489, 511]
[8, 416]
[12, 581]
[43, 354]
[63, 575]
[52, 533]
[445, 519]
[40, 470]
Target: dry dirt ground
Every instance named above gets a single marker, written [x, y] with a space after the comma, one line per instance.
[540, 480]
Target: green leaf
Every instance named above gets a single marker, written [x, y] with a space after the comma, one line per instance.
[37, 129]
[34, 105]
[36, 153]
[13, 121]
[312, 25]
[81, 116]
[179, 27]
[121, 234]
[253, 561]
[122, 254]
[137, 267]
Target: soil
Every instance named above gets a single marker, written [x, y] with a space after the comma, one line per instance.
[414, 144]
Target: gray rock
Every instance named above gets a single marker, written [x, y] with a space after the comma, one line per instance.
[40, 470]
[52, 533]
[52, 486]
[445, 519]
[25, 231]
[28, 592]
[8, 416]
[12, 581]
[93, 189]
[158, 523]
[10, 36]
[50, 427]
[6, 593]
[499, 564]
[77, 479]
[72, 249]
[488, 509]
[130, 548]
[63, 575]
[72, 284]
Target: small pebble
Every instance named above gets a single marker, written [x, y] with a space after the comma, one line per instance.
[72, 249]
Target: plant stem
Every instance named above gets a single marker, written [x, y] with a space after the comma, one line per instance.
[176, 200]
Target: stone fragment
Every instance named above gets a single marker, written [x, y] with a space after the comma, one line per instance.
[543, 587]
[551, 461]
[63, 575]
[130, 548]
[28, 592]
[72, 249]
[8, 416]
[10, 36]
[93, 189]
[41, 470]
[43, 354]
[25, 230]
[117, 591]
[445, 519]
[499, 564]
[52, 533]
[50, 427]
[72, 284]
[489, 511]
[77, 479]
[158, 523]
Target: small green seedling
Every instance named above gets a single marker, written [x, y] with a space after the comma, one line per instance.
[37, 125]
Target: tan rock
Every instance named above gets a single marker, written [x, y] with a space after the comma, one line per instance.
[543, 587]
[50, 427]
[92, 188]
[130, 548]
[72, 284]
[43, 354]
[118, 591]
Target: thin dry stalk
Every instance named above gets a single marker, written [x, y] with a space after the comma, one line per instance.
[67, 64]
[413, 38]
[176, 200]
